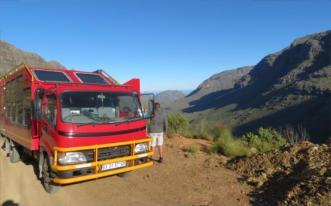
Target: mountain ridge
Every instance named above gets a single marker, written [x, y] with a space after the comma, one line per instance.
[222, 80]
[168, 96]
[10, 56]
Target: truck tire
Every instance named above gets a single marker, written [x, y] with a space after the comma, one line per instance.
[49, 186]
[14, 155]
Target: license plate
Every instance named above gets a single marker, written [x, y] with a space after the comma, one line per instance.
[113, 165]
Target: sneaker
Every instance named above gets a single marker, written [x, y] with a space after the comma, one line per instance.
[161, 160]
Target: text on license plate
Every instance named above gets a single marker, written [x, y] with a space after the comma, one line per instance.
[113, 165]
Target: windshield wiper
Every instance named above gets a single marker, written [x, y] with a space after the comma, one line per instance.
[126, 120]
[87, 123]
[117, 122]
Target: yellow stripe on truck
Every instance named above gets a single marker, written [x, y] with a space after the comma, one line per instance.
[96, 165]
[99, 175]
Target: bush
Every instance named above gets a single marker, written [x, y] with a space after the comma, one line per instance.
[177, 124]
[200, 130]
[230, 147]
[226, 144]
[264, 140]
[294, 135]
[221, 132]
[192, 149]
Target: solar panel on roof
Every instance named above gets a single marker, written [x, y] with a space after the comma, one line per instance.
[51, 76]
[91, 78]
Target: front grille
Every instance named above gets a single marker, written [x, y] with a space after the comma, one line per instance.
[89, 154]
[108, 153]
[113, 152]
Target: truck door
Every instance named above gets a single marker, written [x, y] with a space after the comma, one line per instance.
[48, 121]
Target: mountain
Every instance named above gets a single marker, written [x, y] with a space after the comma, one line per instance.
[221, 81]
[289, 87]
[11, 57]
[169, 96]
[224, 82]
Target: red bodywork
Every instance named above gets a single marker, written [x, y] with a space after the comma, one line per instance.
[67, 135]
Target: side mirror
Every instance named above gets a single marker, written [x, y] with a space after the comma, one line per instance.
[150, 110]
[147, 103]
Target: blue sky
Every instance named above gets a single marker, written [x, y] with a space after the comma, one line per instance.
[169, 44]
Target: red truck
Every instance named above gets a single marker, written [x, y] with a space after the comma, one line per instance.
[77, 125]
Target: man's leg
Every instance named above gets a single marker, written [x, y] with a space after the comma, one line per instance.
[160, 146]
[153, 142]
[153, 148]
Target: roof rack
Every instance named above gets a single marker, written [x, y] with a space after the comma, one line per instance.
[15, 69]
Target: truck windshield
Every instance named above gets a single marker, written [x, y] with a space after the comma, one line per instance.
[99, 107]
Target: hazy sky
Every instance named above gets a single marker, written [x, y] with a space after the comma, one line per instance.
[169, 44]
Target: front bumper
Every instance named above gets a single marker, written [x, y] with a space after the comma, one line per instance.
[67, 174]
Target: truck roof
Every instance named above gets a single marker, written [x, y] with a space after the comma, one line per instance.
[61, 75]
[72, 76]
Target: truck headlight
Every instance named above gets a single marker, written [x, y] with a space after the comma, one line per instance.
[71, 158]
[140, 148]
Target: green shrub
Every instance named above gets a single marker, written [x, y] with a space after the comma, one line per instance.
[263, 139]
[192, 149]
[230, 147]
[200, 130]
[226, 144]
[177, 124]
[221, 132]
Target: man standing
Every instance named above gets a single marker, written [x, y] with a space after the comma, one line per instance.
[158, 129]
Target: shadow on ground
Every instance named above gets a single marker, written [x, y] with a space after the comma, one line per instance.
[9, 203]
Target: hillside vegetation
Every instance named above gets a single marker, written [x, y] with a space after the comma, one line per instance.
[223, 141]
[289, 87]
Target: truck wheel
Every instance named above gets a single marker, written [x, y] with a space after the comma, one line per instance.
[14, 155]
[49, 186]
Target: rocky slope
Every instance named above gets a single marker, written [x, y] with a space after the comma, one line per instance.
[11, 56]
[289, 87]
[294, 175]
[221, 81]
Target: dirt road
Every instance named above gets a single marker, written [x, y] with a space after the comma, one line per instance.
[183, 179]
